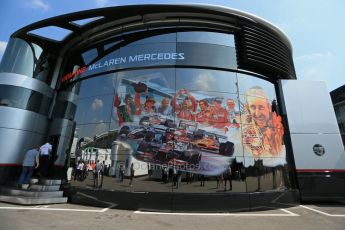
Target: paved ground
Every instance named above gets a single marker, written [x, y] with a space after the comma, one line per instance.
[69, 216]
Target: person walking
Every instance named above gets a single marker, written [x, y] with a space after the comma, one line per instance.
[30, 162]
[45, 152]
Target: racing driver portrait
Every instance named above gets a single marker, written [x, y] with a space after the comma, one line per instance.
[263, 130]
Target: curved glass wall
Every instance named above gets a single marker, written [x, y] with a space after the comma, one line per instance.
[22, 98]
[28, 59]
[180, 128]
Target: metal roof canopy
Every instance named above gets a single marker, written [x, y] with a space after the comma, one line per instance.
[261, 47]
[146, 13]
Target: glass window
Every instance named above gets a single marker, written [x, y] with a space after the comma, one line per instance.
[28, 59]
[207, 37]
[111, 44]
[18, 58]
[262, 126]
[207, 49]
[162, 38]
[152, 54]
[140, 93]
[94, 109]
[89, 55]
[92, 132]
[206, 80]
[181, 124]
[64, 109]
[248, 83]
[208, 55]
[261, 178]
[99, 85]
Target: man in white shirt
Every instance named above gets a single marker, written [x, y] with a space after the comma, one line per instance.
[45, 152]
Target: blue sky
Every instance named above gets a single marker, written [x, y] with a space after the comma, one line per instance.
[316, 28]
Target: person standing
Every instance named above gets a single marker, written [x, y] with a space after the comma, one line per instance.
[45, 152]
[219, 117]
[227, 177]
[131, 176]
[97, 175]
[165, 107]
[30, 162]
[121, 173]
[186, 110]
[202, 180]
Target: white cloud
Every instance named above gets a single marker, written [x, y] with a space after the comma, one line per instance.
[2, 48]
[204, 80]
[97, 104]
[38, 5]
[315, 56]
[101, 3]
[318, 67]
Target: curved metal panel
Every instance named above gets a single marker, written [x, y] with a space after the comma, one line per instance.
[25, 82]
[13, 118]
[14, 143]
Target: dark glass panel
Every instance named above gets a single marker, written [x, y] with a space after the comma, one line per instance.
[206, 37]
[208, 55]
[162, 38]
[64, 109]
[97, 86]
[23, 98]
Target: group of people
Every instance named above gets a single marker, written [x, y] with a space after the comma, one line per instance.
[183, 105]
[40, 157]
[98, 170]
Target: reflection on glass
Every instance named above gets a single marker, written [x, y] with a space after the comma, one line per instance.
[171, 37]
[188, 135]
[246, 82]
[22, 98]
[140, 93]
[97, 86]
[19, 57]
[199, 54]
[206, 37]
[261, 178]
[206, 80]
[89, 55]
[94, 109]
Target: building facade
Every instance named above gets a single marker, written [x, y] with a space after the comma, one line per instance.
[338, 99]
[185, 100]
